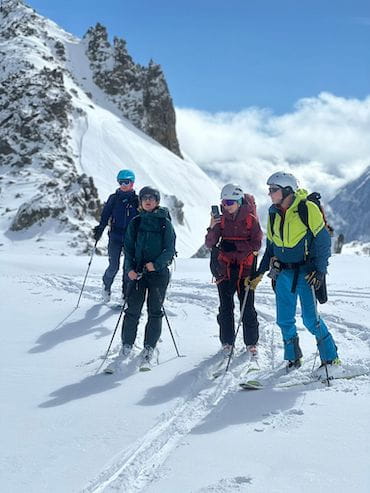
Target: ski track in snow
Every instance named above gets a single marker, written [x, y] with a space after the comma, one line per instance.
[139, 465]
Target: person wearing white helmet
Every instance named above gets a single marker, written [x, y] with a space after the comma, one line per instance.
[297, 255]
[238, 236]
[120, 208]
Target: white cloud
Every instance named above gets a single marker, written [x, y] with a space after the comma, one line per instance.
[324, 142]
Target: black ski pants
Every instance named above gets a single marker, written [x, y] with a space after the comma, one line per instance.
[225, 317]
[154, 285]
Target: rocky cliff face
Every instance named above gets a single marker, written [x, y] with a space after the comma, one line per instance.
[42, 183]
[350, 209]
[36, 152]
[141, 93]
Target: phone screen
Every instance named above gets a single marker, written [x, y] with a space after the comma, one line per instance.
[215, 211]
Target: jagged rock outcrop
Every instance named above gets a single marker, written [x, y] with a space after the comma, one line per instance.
[350, 209]
[141, 93]
[36, 151]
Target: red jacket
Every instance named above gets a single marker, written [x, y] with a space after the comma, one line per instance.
[241, 235]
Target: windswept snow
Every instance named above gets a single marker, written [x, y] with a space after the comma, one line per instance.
[66, 428]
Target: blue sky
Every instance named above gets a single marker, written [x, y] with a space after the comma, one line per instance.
[227, 55]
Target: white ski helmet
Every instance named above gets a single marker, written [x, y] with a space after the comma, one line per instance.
[283, 180]
[232, 192]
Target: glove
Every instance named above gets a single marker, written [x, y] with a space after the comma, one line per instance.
[253, 281]
[315, 279]
[97, 232]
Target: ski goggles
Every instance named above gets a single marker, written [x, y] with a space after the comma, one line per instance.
[229, 202]
[148, 196]
[124, 182]
[274, 189]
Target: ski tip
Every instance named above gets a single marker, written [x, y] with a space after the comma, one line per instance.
[251, 385]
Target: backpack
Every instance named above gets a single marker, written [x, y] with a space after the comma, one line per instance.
[214, 264]
[321, 293]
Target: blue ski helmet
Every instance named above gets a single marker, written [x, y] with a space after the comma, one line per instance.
[126, 174]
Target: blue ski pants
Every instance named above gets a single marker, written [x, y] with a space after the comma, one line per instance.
[286, 306]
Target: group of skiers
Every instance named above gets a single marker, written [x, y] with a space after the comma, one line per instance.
[298, 247]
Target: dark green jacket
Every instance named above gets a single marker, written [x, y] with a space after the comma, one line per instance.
[150, 237]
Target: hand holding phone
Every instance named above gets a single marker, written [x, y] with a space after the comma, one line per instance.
[215, 211]
[215, 216]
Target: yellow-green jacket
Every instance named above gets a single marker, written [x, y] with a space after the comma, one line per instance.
[290, 241]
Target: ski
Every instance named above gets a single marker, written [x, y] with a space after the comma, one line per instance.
[258, 385]
[221, 369]
[117, 363]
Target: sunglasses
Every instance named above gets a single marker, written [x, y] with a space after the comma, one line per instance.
[148, 197]
[274, 189]
[229, 202]
[124, 182]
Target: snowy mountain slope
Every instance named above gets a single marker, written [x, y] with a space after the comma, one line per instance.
[62, 146]
[64, 428]
[347, 203]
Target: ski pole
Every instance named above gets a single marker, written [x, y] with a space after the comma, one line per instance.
[168, 324]
[238, 327]
[318, 325]
[111, 341]
[129, 289]
[88, 268]
[169, 328]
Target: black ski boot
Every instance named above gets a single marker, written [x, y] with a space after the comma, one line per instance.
[293, 365]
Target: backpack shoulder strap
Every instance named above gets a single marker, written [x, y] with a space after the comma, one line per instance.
[272, 220]
[303, 212]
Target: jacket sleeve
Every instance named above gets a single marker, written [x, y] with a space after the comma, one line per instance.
[212, 236]
[321, 250]
[129, 248]
[107, 211]
[168, 252]
[265, 262]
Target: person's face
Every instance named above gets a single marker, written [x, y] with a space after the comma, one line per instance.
[149, 203]
[126, 185]
[230, 206]
[276, 194]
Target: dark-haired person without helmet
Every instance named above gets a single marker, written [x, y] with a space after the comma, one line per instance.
[120, 208]
[149, 250]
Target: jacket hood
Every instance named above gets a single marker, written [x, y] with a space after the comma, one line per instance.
[126, 195]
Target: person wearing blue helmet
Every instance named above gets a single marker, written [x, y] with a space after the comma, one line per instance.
[120, 208]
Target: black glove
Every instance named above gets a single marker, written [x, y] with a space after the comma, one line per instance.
[315, 279]
[97, 232]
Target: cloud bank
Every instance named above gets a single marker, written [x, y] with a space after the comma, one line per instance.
[324, 142]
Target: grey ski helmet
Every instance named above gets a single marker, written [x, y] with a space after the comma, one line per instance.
[283, 180]
[149, 191]
[232, 192]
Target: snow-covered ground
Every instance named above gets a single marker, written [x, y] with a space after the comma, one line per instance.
[65, 428]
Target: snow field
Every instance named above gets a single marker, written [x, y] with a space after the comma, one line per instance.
[66, 428]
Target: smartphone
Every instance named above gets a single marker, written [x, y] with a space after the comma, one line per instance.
[215, 211]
